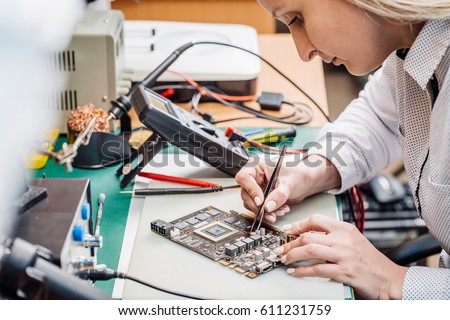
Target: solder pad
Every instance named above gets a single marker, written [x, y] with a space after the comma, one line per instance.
[223, 237]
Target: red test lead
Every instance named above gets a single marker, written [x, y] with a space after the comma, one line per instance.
[162, 177]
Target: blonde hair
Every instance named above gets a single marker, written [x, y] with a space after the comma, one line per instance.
[406, 10]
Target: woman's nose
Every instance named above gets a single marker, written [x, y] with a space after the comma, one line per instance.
[305, 49]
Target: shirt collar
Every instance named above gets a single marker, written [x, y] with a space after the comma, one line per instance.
[429, 47]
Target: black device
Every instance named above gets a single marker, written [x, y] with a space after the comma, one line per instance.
[270, 100]
[391, 218]
[184, 130]
[26, 272]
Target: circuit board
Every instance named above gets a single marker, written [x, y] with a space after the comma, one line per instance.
[225, 238]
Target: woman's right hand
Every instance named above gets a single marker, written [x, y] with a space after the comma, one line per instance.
[295, 182]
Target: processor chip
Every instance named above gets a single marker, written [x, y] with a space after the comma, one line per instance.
[216, 231]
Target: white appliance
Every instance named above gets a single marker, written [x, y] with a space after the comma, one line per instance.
[148, 43]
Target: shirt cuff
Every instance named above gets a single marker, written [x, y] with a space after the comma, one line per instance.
[426, 283]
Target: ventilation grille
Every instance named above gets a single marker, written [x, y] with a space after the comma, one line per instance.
[62, 100]
[61, 61]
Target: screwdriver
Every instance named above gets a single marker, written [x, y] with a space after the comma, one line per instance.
[273, 135]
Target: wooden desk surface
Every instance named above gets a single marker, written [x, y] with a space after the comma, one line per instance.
[278, 49]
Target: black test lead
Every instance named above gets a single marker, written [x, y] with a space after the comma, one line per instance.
[168, 191]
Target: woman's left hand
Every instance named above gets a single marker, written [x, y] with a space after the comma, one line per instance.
[349, 258]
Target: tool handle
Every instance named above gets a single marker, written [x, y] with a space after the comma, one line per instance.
[273, 135]
[162, 177]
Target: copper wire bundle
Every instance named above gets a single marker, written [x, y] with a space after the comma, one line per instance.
[79, 119]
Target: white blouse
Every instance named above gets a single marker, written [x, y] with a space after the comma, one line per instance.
[394, 116]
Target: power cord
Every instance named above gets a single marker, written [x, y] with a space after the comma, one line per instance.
[229, 101]
[102, 273]
[273, 67]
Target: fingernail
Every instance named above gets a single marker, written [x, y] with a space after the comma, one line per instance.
[283, 259]
[271, 205]
[287, 209]
[257, 201]
[279, 212]
[286, 227]
[290, 270]
[271, 219]
[278, 250]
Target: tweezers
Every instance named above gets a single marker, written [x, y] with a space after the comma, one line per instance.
[272, 181]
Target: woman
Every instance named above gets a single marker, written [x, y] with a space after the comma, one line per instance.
[404, 110]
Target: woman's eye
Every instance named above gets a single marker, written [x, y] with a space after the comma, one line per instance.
[298, 19]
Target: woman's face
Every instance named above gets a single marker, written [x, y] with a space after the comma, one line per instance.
[337, 31]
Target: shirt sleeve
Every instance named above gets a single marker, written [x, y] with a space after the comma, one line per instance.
[426, 283]
[364, 139]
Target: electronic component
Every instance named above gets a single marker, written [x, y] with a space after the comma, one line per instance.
[216, 231]
[184, 130]
[161, 227]
[147, 43]
[96, 52]
[62, 223]
[224, 237]
[270, 100]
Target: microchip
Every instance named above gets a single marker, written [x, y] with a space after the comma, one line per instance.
[216, 231]
[202, 216]
[181, 225]
[230, 220]
[213, 212]
[192, 221]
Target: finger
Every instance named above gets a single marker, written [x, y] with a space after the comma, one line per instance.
[286, 208]
[325, 270]
[305, 239]
[312, 251]
[314, 223]
[248, 201]
[281, 211]
[270, 217]
[277, 198]
[247, 179]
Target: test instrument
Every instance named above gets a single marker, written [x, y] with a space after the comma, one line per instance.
[189, 133]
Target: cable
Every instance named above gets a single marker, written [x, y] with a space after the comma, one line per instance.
[256, 113]
[224, 99]
[273, 67]
[356, 207]
[350, 206]
[299, 107]
[356, 203]
[167, 191]
[222, 96]
[108, 274]
[361, 207]
[206, 116]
